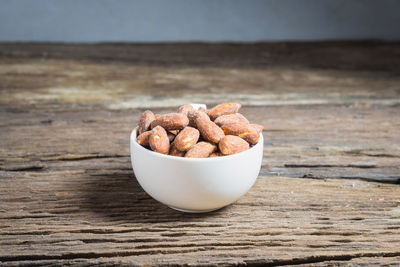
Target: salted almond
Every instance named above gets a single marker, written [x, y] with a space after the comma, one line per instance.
[230, 118]
[146, 119]
[231, 144]
[259, 128]
[158, 140]
[223, 109]
[143, 138]
[201, 150]
[171, 121]
[173, 151]
[174, 132]
[185, 109]
[171, 137]
[202, 109]
[186, 138]
[209, 130]
[194, 114]
[215, 155]
[244, 131]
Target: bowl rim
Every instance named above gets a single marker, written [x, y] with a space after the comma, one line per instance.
[156, 154]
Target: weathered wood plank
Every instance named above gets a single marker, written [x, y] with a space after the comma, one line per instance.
[346, 143]
[131, 76]
[90, 214]
[331, 113]
[312, 261]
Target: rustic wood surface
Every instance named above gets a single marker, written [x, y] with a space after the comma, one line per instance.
[328, 192]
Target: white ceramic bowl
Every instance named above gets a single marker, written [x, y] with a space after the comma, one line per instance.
[195, 184]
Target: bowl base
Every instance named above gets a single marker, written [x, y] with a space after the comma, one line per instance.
[193, 211]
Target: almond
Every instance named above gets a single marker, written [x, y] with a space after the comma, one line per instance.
[186, 138]
[231, 144]
[146, 119]
[244, 131]
[230, 118]
[185, 109]
[158, 140]
[201, 150]
[174, 132]
[171, 137]
[143, 138]
[259, 128]
[202, 109]
[173, 151]
[223, 109]
[209, 130]
[216, 154]
[171, 121]
[194, 114]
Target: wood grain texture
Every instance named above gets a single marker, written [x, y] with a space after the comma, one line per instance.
[328, 190]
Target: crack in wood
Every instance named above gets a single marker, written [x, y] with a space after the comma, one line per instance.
[72, 157]
[24, 167]
[252, 263]
[316, 259]
[363, 166]
[359, 152]
[26, 217]
[92, 255]
[393, 180]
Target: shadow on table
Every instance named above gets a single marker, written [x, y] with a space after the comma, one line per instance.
[118, 196]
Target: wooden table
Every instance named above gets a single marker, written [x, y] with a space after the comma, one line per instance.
[328, 192]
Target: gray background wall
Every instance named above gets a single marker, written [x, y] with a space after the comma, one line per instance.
[196, 20]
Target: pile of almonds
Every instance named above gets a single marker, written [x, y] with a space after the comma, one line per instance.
[200, 133]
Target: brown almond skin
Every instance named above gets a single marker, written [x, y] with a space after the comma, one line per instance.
[143, 139]
[158, 115]
[174, 132]
[193, 115]
[209, 130]
[158, 140]
[171, 121]
[259, 128]
[231, 144]
[223, 109]
[146, 119]
[244, 131]
[186, 138]
[173, 151]
[230, 118]
[171, 137]
[185, 109]
[215, 155]
[201, 150]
